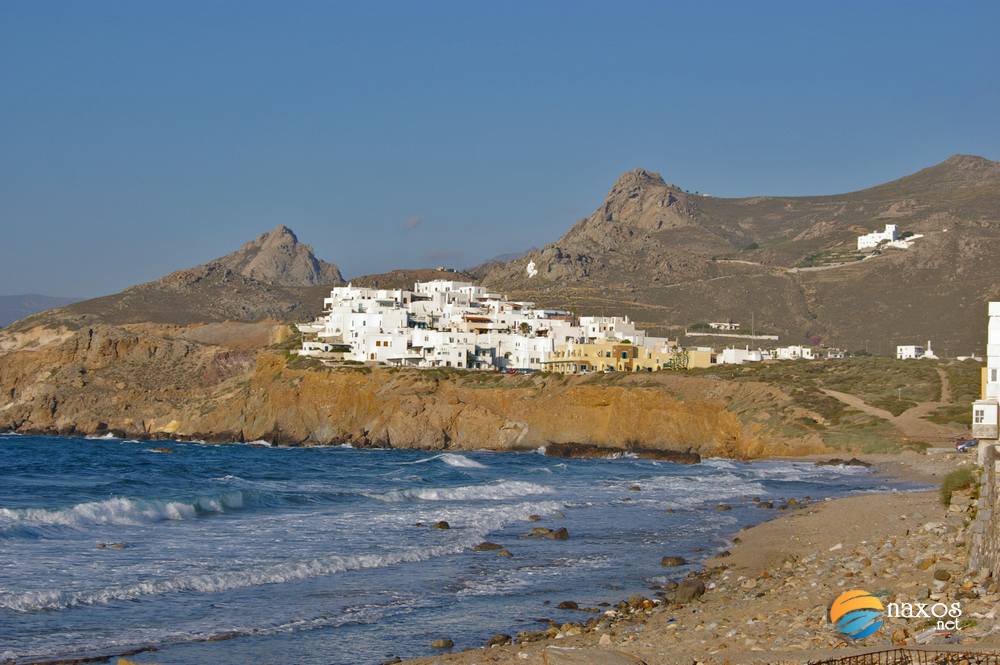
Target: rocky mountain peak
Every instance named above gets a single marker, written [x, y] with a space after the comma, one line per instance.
[971, 167]
[637, 178]
[277, 257]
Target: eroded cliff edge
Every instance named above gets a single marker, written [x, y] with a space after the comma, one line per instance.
[230, 382]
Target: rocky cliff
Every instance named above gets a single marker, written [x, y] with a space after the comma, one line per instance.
[197, 382]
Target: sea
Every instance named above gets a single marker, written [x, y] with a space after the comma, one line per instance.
[326, 556]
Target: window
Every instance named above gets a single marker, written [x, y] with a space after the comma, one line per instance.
[993, 375]
[978, 416]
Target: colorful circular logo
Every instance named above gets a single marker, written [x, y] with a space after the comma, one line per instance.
[856, 614]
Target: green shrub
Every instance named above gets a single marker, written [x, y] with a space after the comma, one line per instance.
[959, 479]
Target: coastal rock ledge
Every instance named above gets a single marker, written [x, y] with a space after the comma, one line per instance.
[181, 383]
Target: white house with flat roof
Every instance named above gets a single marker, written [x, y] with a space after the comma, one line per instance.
[794, 352]
[734, 356]
[986, 409]
[915, 352]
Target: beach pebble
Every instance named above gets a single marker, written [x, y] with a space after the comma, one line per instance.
[498, 640]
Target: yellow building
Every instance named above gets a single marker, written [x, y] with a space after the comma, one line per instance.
[617, 356]
[598, 357]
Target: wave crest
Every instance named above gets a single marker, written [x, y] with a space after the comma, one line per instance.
[505, 489]
[120, 511]
[451, 459]
[492, 519]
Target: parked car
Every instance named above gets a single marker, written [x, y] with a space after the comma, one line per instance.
[963, 444]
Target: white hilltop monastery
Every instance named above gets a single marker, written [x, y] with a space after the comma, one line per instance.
[889, 237]
[452, 324]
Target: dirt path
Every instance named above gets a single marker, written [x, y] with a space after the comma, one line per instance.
[911, 423]
[945, 385]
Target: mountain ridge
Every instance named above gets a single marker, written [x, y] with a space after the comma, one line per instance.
[273, 276]
[672, 258]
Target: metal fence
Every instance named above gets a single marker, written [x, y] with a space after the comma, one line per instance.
[915, 656]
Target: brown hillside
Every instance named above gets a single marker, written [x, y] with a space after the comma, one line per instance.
[670, 259]
[272, 277]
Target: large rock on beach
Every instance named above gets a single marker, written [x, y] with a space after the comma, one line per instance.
[689, 590]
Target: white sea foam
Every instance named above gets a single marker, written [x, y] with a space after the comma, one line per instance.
[451, 459]
[276, 573]
[503, 582]
[119, 510]
[505, 489]
[692, 490]
[104, 437]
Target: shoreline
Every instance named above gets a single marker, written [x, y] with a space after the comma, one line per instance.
[620, 626]
[744, 598]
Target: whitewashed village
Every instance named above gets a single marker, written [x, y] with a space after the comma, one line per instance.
[444, 323]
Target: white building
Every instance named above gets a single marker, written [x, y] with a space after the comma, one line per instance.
[872, 240]
[724, 325]
[793, 353]
[911, 352]
[985, 410]
[733, 356]
[606, 328]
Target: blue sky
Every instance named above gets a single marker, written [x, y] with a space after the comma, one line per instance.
[137, 138]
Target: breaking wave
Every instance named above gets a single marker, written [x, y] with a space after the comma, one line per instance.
[505, 489]
[120, 511]
[275, 573]
[452, 459]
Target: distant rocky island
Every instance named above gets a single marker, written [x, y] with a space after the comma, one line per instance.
[16, 307]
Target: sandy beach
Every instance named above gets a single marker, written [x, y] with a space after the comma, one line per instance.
[766, 601]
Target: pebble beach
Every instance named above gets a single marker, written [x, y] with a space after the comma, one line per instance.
[766, 599]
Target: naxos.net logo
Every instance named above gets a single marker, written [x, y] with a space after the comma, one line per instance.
[857, 614]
